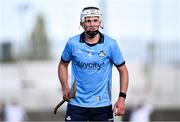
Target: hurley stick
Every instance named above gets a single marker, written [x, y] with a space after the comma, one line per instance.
[72, 95]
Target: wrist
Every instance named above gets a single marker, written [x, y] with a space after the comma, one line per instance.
[122, 95]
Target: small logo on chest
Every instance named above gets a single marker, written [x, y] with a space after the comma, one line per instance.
[90, 52]
[101, 53]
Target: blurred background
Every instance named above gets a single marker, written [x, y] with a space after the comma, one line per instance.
[33, 34]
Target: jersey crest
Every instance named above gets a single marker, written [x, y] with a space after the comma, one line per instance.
[102, 53]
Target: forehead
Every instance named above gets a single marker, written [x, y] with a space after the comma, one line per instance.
[91, 17]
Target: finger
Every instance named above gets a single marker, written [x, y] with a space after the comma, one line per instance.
[114, 109]
[120, 112]
[66, 97]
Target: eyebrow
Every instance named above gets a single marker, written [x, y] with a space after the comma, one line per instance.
[93, 18]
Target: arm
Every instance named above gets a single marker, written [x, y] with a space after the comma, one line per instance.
[63, 77]
[119, 107]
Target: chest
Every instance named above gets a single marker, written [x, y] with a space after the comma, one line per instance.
[97, 53]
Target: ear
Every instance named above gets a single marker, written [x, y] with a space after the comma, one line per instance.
[81, 23]
[101, 25]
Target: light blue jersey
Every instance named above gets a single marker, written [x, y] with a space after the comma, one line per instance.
[92, 69]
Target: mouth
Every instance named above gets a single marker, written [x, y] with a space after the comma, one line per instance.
[92, 29]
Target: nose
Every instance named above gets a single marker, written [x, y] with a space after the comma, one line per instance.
[92, 23]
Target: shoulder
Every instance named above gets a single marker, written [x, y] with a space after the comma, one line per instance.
[109, 40]
[74, 39]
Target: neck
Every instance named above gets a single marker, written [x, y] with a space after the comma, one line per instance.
[92, 40]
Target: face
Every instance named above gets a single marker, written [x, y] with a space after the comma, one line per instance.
[91, 23]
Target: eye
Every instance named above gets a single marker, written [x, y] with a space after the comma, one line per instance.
[95, 20]
[88, 21]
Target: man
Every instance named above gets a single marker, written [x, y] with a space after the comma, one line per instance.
[92, 55]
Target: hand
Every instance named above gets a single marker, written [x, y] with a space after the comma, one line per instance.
[119, 107]
[66, 96]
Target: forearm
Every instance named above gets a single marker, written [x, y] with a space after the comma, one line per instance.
[119, 107]
[63, 74]
[124, 78]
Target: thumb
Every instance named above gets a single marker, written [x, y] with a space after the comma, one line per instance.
[115, 108]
